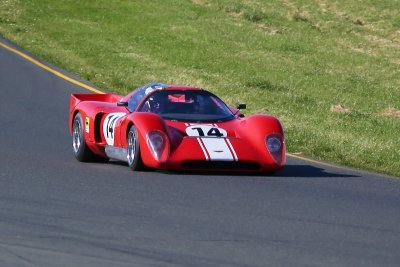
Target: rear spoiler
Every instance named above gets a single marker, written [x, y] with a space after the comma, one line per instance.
[77, 98]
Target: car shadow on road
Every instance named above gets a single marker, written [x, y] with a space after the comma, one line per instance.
[290, 170]
[313, 172]
[293, 171]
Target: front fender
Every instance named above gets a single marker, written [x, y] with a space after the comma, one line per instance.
[145, 123]
[256, 128]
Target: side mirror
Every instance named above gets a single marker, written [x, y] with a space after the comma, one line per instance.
[241, 106]
[122, 104]
[238, 108]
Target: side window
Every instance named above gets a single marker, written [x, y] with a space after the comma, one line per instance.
[135, 100]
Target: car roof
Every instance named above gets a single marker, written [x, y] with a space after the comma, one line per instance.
[162, 86]
[159, 86]
[180, 87]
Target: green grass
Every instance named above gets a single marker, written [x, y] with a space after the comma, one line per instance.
[291, 58]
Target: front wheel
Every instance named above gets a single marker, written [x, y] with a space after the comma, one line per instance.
[133, 150]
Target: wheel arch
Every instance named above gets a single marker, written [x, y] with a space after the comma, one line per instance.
[145, 122]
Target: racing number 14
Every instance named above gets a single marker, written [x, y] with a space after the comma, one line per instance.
[109, 126]
[203, 130]
[212, 132]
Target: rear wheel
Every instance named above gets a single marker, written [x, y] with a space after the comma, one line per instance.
[81, 151]
[133, 150]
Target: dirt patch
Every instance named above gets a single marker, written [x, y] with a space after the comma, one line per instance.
[340, 108]
[268, 29]
[359, 48]
[199, 2]
[391, 112]
[395, 61]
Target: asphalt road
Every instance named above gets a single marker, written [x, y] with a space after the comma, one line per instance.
[55, 211]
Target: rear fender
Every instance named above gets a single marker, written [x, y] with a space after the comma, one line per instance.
[87, 102]
[93, 113]
[88, 123]
[79, 102]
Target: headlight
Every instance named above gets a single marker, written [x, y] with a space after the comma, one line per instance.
[274, 144]
[156, 142]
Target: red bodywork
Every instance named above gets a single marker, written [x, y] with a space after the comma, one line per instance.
[243, 148]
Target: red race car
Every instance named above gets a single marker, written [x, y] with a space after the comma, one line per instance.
[174, 127]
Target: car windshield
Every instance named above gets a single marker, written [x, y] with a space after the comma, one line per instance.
[187, 105]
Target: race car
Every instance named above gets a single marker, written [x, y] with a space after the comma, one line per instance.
[173, 127]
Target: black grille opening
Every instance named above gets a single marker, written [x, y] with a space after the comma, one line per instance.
[221, 165]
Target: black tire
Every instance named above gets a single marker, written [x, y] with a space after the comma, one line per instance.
[133, 150]
[81, 151]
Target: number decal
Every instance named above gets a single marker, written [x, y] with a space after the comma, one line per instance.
[199, 131]
[109, 126]
[215, 132]
[205, 131]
